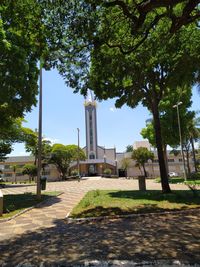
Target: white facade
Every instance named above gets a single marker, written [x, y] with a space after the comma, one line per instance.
[143, 143]
[91, 127]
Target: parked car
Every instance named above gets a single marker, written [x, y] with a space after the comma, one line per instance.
[172, 174]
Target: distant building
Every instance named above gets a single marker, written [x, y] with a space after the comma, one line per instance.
[138, 144]
[98, 158]
[8, 174]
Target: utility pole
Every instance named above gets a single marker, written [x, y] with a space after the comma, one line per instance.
[78, 159]
[180, 136]
[39, 167]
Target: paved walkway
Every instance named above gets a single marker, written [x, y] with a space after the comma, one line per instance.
[41, 235]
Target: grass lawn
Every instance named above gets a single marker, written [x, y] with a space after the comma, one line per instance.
[103, 202]
[13, 204]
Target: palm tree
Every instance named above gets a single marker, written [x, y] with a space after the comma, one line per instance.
[194, 135]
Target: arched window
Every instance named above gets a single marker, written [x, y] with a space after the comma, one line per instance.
[92, 156]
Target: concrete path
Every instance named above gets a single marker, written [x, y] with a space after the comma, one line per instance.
[42, 236]
[58, 207]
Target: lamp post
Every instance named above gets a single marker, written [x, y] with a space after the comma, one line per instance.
[39, 137]
[104, 162]
[116, 167]
[78, 160]
[180, 135]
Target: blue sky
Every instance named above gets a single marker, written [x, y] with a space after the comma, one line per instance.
[63, 112]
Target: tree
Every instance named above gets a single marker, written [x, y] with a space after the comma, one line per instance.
[125, 164]
[22, 42]
[10, 132]
[5, 148]
[141, 156]
[30, 170]
[30, 138]
[63, 155]
[129, 148]
[83, 23]
[14, 169]
[105, 54]
[168, 119]
[192, 135]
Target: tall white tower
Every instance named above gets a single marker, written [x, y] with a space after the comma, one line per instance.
[91, 126]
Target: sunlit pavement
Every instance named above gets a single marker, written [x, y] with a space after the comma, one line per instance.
[42, 236]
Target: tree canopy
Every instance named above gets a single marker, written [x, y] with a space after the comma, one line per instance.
[101, 55]
[30, 170]
[168, 118]
[141, 156]
[30, 138]
[129, 148]
[20, 34]
[63, 155]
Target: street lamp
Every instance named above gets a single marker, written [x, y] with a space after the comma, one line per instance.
[39, 137]
[116, 166]
[78, 161]
[104, 164]
[180, 135]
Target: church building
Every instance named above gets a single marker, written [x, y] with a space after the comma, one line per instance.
[98, 158]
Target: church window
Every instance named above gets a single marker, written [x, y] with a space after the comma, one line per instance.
[92, 156]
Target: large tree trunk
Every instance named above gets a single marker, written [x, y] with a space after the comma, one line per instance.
[166, 157]
[162, 165]
[193, 153]
[188, 161]
[145, 173]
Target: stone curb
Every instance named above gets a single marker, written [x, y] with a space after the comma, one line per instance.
[128, 216]
[116, 263]
[27, 209]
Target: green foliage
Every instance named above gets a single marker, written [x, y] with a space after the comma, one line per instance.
[74, 172]
[96, 193]
[125, 164]
[102, 56]
[121, 202]
[195, 176]
[10, 132]
[129, 148]
[30, 138]
[15, 203]
[170, 131]
[63, 155]
[30, 170]
[141, 156]
[107, 171]
[5, 148]
[20, 33]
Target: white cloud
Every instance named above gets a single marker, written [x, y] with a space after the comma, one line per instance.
[112, 109]
[52, 140]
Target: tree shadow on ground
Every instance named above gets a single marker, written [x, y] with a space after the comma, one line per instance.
[178, 196]
[143, 238]
[99, 211]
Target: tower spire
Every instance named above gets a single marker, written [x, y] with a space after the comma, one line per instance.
[89, 96]
[91, 126]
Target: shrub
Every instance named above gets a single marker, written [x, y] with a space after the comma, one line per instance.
[74, 172]
[107, 171]
[195, 176]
